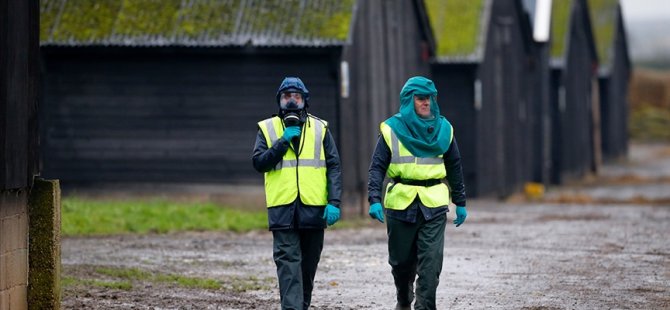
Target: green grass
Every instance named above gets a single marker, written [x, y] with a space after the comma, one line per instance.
[68, 282]
[251, 283]
[560, 17]
[650, 123]
[93, 21]
[85, 217]
[125, 273]
[456, 25]
[135, 274]
[603, 19]
[123, 279]
[188, 282]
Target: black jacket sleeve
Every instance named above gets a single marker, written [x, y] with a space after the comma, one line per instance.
[452, 162]
[381, 159]
[265, 159]
[334, 170]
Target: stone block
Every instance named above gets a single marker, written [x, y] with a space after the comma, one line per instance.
[14, 231]
[8, 230]
[18, 297]
[4, 299]
[21, 237]
[13, 202]
[7, 203]
[17, 265]
[3, 272]
[5, 232]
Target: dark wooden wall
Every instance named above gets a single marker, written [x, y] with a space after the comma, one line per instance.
[504, 122]
[388, 48]
[614, 99]
[557, 103]
[161, 115]
[19, 48]
[494, 139]
[574, 152]
[540, 121]
[456, 97]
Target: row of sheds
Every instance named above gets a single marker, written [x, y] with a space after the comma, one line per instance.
[170, 91]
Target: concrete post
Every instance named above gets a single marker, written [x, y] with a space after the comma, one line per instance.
[44, 291]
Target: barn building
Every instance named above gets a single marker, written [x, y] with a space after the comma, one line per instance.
[483, 68]
[613, 76]
[575, 116]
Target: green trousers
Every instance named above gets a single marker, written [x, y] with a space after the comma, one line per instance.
[296, 254]
[416, 249]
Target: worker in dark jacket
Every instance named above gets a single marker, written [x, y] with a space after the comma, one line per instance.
[303, 185]
[416, 150]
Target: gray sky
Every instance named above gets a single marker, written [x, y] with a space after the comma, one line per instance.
[635, 10]
[647, 24]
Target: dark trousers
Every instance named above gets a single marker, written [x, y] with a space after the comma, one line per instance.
[416, 249]
[296, 254]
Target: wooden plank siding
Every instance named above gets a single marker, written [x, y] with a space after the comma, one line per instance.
[19, 46]
[161, 116]
[573, 151]
[540, 121]
[493, 135]
[456, 97]
[504, 115]
[389, 46]
[614, 98]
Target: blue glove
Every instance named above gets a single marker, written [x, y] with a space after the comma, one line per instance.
[291, 132]
[331, 214]
[377, 211]
[461, 214]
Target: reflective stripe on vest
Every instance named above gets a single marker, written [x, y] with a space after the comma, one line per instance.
[306, 174]
[404, 165]
[396, 158]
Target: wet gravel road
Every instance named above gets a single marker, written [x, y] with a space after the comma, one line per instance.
[506, 256]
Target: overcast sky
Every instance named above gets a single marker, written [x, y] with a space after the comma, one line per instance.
[635, 10]
[647, 24]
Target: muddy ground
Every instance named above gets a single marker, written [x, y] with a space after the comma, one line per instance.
[596, 253]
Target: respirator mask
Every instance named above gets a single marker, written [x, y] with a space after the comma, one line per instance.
[292, 109]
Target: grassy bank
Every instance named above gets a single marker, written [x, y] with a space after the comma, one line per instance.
[119, 278]
[85, 216]
[650, 105]
[650, 123]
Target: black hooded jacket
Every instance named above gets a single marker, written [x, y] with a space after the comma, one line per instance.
[297, 214]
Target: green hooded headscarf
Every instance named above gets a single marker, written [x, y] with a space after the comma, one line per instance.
[422, 137]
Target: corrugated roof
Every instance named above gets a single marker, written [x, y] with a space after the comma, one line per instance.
[458, 28]
[196, 22]
[604, 16]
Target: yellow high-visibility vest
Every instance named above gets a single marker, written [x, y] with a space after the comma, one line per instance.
[305, 174]
[406, 166]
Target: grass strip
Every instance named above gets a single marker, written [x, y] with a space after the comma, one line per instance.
[87, 217]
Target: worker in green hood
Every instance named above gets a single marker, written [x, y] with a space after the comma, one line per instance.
[417, 150]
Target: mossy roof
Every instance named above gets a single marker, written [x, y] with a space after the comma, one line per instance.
[604, 17]
[196, 22]
[560, 26]
[457, 26]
